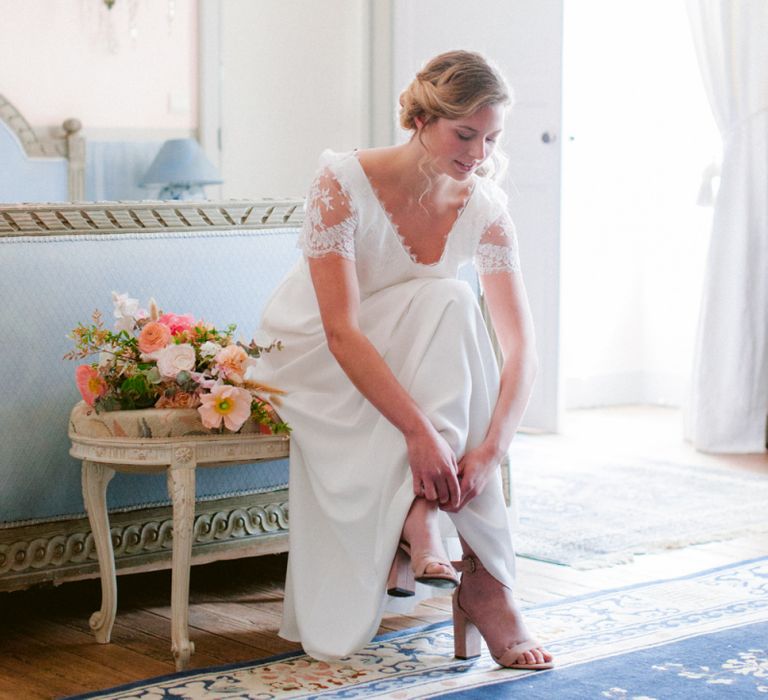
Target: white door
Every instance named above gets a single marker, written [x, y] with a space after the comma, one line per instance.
[524, 38]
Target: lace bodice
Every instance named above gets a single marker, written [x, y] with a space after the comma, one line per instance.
[344, 216]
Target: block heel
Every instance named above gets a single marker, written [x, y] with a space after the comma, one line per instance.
[466, 636]
[401, 582]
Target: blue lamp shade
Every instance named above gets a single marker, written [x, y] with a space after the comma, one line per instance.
[183, 168]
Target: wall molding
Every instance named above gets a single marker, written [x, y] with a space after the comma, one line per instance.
[133, 135]
[382, 98]
[209, 82]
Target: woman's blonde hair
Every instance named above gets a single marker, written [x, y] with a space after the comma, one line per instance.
[454, 85]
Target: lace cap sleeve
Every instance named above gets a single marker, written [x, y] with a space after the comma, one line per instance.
[497, 249]
[330, 220]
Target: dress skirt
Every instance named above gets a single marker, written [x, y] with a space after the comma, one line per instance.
[350, 485]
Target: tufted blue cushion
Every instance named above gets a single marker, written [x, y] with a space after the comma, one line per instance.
[49, 284]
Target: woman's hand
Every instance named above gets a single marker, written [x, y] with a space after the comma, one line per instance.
[434, 468]
[476, 468]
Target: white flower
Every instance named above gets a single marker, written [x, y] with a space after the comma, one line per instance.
[127, 312]
[173, 359]
[262, 338]
[106, 359]
[209, 349]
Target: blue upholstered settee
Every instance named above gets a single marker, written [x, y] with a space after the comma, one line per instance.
[58, 263]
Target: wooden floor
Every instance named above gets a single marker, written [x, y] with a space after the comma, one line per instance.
[47, 650]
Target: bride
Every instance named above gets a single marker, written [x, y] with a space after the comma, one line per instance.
[398, 408]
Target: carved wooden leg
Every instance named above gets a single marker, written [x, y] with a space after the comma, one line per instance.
[95, 478]
[181, 489]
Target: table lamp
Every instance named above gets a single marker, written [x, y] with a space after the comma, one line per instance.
[182, 168]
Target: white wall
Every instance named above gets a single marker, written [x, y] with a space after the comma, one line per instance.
[56, 62]
[294, 80]
[638, 134]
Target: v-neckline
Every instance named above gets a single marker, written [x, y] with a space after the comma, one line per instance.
[393, 227]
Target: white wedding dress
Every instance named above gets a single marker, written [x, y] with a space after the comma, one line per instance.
[350, 484]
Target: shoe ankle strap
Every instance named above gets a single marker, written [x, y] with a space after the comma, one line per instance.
[468, 564]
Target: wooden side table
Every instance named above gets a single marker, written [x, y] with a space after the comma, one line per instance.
[178, 455]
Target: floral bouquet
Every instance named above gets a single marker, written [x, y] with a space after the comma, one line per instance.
[163, 360]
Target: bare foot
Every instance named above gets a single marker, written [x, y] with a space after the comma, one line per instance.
[490, 605]
[422, 533]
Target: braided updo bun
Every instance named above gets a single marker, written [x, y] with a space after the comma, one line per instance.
[452, 85]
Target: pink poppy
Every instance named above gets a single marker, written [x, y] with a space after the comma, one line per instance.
[228, 403]
[90, 383]
[178, 324]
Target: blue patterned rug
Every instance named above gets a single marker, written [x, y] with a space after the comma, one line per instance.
[698, 636]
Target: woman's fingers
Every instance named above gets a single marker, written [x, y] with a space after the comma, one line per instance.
[443, 493]
[430, 492]
[454, 490]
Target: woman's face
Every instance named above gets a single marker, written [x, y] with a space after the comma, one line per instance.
[459, 146]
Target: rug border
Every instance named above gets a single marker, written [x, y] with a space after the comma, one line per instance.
[397, 633]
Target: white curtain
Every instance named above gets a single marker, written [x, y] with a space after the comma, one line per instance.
[729, 393]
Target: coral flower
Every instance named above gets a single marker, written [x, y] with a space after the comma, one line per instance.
[231, 363]
[90, 383]
[228, 403]
[178, 324]
[153, 337]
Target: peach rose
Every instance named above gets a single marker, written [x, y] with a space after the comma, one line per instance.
[231, 363]
[153, 337]
[181, 399]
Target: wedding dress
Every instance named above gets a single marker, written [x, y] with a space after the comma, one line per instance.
[350, 485]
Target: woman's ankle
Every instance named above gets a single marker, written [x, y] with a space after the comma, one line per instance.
[421, 522]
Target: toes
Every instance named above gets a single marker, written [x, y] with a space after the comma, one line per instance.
[438, 568]
[534, 656]
[526, 657]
